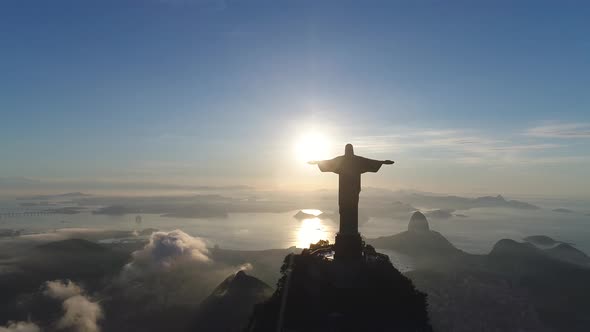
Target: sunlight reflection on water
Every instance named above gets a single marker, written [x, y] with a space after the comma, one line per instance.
[311, 231]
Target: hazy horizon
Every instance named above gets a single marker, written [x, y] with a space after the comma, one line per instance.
[142, 189]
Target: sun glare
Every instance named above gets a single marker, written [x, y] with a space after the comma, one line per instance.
[312, 147]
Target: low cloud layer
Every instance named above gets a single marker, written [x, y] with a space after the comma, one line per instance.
[20, 327]
[172, 269]
[173, 272]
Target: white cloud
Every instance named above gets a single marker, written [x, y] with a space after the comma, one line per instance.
[527, 147]
[173, 268]
[61, 289]
[167, 248]
[20, 327]
[80, 313]
[464, 147]
[247, 267]
[560, 130]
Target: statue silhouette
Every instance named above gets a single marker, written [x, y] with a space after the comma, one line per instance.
[349, 168]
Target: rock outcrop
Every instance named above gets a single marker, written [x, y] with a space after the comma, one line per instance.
[319, 294]
[229, 306]
[417, 241]
[418, 223]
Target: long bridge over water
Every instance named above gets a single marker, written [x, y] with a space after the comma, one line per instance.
[26, 214]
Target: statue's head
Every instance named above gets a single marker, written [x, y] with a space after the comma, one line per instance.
[348, 150]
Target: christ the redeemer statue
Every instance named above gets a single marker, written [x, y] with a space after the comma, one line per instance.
[349, 168]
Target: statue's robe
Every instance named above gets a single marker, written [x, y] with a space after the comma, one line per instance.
[349, 170]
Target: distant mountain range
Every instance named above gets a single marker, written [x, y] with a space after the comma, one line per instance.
[541, 240]
[379, 203]
[54, 196]
[208, 206]
[464, 203]
[521, 286]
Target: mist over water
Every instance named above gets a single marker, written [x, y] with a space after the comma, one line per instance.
[475, 232]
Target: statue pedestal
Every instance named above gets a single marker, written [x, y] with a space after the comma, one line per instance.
[348, 246]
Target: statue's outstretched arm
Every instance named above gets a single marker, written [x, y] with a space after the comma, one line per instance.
[332, 165]
[371, 165]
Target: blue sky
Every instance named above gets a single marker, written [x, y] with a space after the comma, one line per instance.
[466, 96]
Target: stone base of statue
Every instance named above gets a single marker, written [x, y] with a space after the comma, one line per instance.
[348, 246]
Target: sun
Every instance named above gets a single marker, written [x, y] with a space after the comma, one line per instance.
[311, 146]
